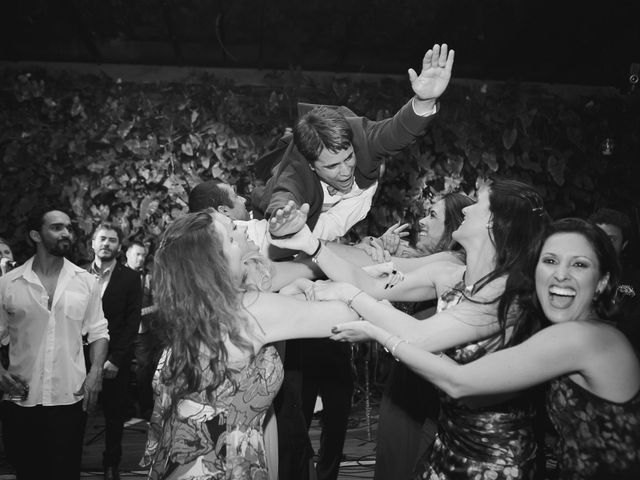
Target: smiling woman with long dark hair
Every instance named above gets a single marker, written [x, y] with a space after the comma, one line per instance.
[492, 435]
[593, 399]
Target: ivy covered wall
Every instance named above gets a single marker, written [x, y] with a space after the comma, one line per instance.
[104, 148]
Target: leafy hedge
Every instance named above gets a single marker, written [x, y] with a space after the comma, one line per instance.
[103, 148]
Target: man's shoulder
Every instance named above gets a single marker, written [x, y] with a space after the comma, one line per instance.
[80, 272]
[124, 272]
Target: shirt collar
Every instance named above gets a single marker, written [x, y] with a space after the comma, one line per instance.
[26, 270]
[100, 274]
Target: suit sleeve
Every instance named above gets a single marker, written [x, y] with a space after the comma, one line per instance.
[123, 343]
[390, 136]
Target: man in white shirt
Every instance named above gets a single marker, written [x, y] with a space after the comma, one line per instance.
[47, 305]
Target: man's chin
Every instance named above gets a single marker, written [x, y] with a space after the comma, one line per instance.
[60, 252]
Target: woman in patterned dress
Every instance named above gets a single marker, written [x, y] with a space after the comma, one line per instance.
[593, 399]
[486, 437]
[218, 374]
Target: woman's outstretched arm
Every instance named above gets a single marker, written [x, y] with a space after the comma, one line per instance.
[554, 351]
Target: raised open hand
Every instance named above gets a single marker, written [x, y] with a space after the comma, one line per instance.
[435, 75]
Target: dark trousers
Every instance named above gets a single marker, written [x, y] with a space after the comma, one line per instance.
[114, 405]
[407, 423]
[147, 354]
[294, 446]
[327, 373]
[44, 442]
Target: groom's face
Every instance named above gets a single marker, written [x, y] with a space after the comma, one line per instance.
[336, 169]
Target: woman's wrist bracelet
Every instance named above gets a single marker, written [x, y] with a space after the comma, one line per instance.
[350, 301]
[314, 255]
[395, 347]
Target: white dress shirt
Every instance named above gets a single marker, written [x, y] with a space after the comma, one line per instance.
[46, 345]
[340, 211]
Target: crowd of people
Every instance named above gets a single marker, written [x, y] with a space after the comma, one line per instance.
[497, 315]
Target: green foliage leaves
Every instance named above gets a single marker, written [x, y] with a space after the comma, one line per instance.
[103, 148]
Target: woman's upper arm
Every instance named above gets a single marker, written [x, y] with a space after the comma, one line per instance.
[408, 264]
[282, 317]
[550, 353]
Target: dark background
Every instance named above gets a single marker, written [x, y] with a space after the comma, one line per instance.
[587, 42]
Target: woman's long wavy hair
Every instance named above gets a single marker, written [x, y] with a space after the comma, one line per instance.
[199, 307]
[518, 220]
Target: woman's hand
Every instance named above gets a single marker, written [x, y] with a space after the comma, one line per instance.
[385, 270]
[391, 238]
[373, 247]
[299, 286]
[357, 332]
[328, 290]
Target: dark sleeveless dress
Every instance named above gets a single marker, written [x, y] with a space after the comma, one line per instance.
[496, 442]
[598, 439]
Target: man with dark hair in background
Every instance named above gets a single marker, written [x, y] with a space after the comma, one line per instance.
[146, 346]
[121, 302]
[617, 226]
[47, 305]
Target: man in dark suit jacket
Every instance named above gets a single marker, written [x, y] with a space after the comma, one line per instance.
[334, 160]
[121, 303]
[332, 165]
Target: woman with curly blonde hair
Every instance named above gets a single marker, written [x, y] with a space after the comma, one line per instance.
[218, 374]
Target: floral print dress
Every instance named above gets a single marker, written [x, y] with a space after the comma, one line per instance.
[493, 442]
[215, 440]
[597, 439]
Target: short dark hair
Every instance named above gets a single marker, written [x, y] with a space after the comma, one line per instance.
[609, 216]
[109, 226]
[207, 195]
[35, 219]
[136, 243]
[323, 127]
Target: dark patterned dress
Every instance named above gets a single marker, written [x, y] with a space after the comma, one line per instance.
[219, 440]
[598, 439]
[496, 442]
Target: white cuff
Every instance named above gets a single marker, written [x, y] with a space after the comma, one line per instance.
[436, 108]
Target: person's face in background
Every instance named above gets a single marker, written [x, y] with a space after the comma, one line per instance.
[106, 244]
[239, 209]
[136, 255]
[615, 235]
[431, 227]
[5, 251]
[55, 235]
[477, 220]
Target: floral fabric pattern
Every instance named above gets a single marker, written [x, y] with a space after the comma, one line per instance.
[493, 442]
[222, 440]
[597, 439]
